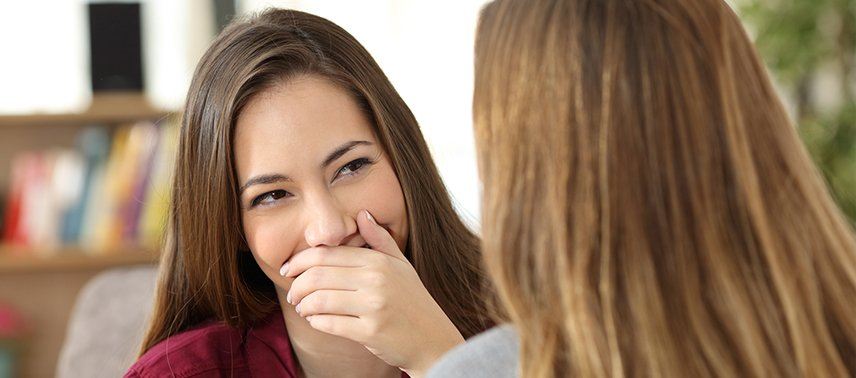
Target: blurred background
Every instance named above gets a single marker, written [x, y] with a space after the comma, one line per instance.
[809, 47]
[90, 94]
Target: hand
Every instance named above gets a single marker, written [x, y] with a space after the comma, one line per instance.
[374, 297]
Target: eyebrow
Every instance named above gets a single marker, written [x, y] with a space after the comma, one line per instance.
[263, 179]
[331, 157]
[343, 149]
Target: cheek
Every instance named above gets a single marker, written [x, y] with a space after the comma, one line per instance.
[384, 199]
[270, 241]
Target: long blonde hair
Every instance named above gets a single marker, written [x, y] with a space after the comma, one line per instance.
[648, 207]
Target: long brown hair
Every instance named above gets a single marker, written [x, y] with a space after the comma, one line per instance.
[648, 207]
[206, 271]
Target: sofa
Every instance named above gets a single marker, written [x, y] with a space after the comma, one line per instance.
[107, 323]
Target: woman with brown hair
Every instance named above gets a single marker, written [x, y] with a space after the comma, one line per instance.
[649, 209]
[310, 233]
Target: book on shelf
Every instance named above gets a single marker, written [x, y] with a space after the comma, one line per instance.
[110, 192]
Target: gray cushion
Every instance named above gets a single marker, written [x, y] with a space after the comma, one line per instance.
[107, 323]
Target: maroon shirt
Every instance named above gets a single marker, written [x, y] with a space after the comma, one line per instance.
[214, 349]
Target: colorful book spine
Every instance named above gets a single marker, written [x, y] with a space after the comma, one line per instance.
[109, 193]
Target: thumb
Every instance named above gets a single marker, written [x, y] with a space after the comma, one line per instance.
[377, 237]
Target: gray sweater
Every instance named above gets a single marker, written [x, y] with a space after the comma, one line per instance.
[492, 354]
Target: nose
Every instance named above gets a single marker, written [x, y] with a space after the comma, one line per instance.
[328, 224]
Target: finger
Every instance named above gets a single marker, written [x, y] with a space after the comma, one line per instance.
[349, 327]
[376, 236]
[324, 256]
[322, 278]
[331, 302]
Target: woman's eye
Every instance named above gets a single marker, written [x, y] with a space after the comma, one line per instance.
[269, 197]
[352, 167]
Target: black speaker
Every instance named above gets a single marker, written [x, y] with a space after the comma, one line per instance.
[116, 47]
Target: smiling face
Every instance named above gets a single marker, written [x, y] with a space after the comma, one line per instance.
[308, 162]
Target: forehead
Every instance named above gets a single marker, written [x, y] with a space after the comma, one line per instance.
[300, 121]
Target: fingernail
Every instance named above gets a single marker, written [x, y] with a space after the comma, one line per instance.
[284, 270]
[309, 318]
[288, 297]
[371, 218]
[297, 309]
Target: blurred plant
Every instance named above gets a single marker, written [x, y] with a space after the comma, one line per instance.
[802, 40]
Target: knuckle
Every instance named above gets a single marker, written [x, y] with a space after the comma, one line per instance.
[317, 258]
[321, 323]
[300, 286]
[376, 279]
[305, 306]
[313, 277]
[309, 304]
[319, 302]
[373, 329]
[329, 325]
[376, 303]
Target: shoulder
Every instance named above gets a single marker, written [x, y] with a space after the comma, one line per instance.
[204, 350]
[493, 353]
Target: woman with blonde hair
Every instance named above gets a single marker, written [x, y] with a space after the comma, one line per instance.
[649, 209]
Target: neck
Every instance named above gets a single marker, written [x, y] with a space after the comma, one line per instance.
[324, 355]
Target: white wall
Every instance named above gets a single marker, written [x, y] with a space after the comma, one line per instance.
[426, 50]
[45, 44]
[43, 67]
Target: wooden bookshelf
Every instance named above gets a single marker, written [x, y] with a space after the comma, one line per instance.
[39, 132]
[43, 131]
[15, 260]
[36, 120]
[107, 110]
[43, 284]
